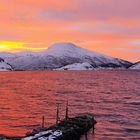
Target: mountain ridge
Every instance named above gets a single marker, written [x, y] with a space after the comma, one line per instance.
[60, 55]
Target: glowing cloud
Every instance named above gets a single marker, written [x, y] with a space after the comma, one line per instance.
[16, 46]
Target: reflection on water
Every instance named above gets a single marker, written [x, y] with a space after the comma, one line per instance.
[113, 96]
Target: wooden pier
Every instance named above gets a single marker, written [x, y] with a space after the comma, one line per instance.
[70, 129]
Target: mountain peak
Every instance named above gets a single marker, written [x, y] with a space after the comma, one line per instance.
[69, 50]
[64, 49]
[63, 46]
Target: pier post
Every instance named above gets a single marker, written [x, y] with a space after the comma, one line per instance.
[43, 121]
[86, 136]
[57, 114]
[67, 110]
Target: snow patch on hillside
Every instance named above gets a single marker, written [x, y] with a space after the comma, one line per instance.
[136, 66]
[4, 66]
[77, 66]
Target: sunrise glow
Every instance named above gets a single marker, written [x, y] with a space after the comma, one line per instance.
[8, 45]
[11, 46]
[97, 25]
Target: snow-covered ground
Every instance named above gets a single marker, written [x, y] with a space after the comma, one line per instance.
[45, 135]
[136, 66]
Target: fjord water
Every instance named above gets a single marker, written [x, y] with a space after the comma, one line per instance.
[113, 96]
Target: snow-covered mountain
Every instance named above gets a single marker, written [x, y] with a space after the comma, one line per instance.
[4, 66]
[136, 66]
[60, 55]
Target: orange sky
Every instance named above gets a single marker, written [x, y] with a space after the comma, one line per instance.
[106, 26]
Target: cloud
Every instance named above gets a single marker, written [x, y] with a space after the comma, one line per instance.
[135, 43]
[56, 15]
[103, 27]
[8, 37]
[125, 49]
[96, 9]
[106, 9]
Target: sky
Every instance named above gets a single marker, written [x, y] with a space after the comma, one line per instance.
[110, 27]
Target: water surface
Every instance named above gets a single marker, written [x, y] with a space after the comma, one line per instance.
[113, 96]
